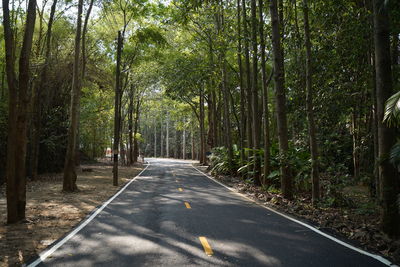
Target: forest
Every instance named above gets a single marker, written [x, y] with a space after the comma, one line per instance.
[297, 98]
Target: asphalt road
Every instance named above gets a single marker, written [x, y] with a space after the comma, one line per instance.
[172, 215]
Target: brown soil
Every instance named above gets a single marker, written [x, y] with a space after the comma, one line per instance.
[52, 213]
[358, 222]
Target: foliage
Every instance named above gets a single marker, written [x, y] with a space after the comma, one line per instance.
[392, 110]
[219, 163]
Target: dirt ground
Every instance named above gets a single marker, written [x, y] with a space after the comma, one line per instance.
[52, 213]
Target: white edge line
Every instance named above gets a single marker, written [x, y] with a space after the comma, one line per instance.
[45, 254]
[376, 257]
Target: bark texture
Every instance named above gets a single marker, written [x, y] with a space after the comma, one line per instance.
[310, 109]
[280, 99]
[69, 181]
[18, 112]
[389, 180]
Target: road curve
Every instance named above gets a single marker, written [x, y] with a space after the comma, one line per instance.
[172, 215]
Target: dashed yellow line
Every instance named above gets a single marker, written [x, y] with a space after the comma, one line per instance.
[206, 246]
[180, 189]
[187, 205]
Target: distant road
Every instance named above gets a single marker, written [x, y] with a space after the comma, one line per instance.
[172, 215]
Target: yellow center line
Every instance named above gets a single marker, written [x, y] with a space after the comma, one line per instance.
[187, 205]
[206, 246]
[180, 189]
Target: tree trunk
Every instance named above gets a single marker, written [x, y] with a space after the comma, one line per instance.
[375, 134]
[69, 182]
[390, 217]
[184, 144]
[225, 88]
[193, 145]
[117, 114]
[248, 77]
[202, 131]
[130, 127]
[161, 137]
[310, 109]
[254, 93]
[355, 136]
[215, 120]
[18, 112]
[155, 138]
[135, 131]
[265, 83]
[280, 99]
[167, 138]
[242, 89]
[395, 57]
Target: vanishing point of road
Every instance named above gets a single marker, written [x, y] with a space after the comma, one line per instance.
[173, 215]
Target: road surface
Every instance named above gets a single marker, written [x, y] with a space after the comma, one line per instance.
[172, 215]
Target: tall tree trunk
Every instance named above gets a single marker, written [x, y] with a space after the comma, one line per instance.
[390, 216]
[210, 116]
[69, 182]
[310, 109]
[265, 83]
[167, 138]
[242, 89]
[375, 133]
[155, 138]
[395, 57]
[130, 127]
[18, 112]
[161, 137]
[202, 128]
[249, 132]
[254, 89]
[215, 118]
[225, 88]
[184, 144]
[37, 95]
[193, 144]
[135, 131]
[355, 136]
[121, 144]
[280, 99]
[117, 114]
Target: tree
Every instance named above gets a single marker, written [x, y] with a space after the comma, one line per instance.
[18, 111]
[69, 181]
[280, 95]
[386, 135]
[310, 108]
[254, 93]
[265, 83]
[117, 109]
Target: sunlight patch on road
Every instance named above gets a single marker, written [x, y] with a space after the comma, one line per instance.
[206, 246]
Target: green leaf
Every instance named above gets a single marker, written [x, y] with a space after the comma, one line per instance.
[392, 110]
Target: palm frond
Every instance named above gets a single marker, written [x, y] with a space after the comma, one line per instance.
[392, 110]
